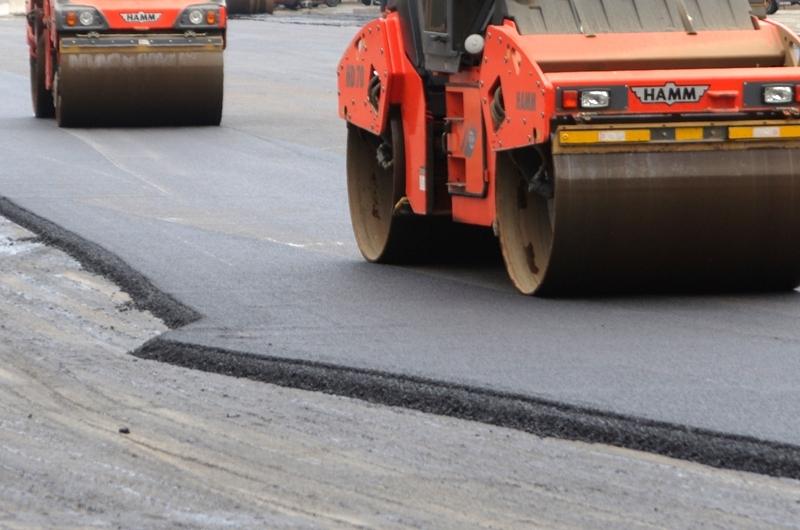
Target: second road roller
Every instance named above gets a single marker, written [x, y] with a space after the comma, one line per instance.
[624, 145]
[126, 62]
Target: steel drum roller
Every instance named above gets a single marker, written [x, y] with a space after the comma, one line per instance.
[109, 83]
[658, 219]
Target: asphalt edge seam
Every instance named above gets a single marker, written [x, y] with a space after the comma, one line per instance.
[539, 417]
[94, 258]
[536, 416]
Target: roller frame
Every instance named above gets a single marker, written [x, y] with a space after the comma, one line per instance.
[748, 254]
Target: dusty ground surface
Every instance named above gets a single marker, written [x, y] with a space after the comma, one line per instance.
[208, 451]
[257, 238]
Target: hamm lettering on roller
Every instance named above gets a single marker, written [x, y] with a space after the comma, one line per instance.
[140, 17]
[670, 93]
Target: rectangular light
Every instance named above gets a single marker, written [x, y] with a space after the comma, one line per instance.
[764, 132]
[681, 134]
[689, 134]
[595, 99]
[569, 99]
[778, 95]
[610, 136]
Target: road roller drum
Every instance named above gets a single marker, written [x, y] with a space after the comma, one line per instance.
[105, 63]
[608, 148]
[647, 219]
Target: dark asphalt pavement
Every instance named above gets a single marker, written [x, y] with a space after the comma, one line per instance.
[248, 224]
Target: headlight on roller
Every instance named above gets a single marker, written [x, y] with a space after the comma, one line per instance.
[202, 16]
[196, 17]
[778, 95]
[79, 18]
[86, 18]
[595, 99]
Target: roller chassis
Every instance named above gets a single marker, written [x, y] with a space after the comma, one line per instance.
[122, 33]
[586, 199]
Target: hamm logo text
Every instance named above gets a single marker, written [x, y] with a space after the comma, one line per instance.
[670, 93]
[141, 17]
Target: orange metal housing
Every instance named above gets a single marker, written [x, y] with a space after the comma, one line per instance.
[167, 12]
[377, 55]
[120, 17]
[528, 72]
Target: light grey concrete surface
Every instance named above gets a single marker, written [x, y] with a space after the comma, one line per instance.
[208, 451]
[12, 7]
[248, 224]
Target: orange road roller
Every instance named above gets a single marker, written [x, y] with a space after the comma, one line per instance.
[127, 62]
[623, 145]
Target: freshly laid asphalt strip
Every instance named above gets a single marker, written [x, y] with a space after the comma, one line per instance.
[540, 417]
[148, 445]
[247, 225]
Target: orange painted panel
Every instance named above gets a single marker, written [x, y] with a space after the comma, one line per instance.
[377, 54]
[121, 15]
[528, 96]
[366, 64]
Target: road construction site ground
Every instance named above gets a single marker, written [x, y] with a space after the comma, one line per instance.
[298, 459]
[208, 451]
[349, 12]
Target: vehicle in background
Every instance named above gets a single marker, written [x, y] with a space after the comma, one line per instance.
[255, 7]
[381, 3]
[773, 5]
[251, 7]
[297, 4]
[111, 62]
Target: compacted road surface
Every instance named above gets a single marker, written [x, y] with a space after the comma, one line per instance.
[247, 225]
[91, 437]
